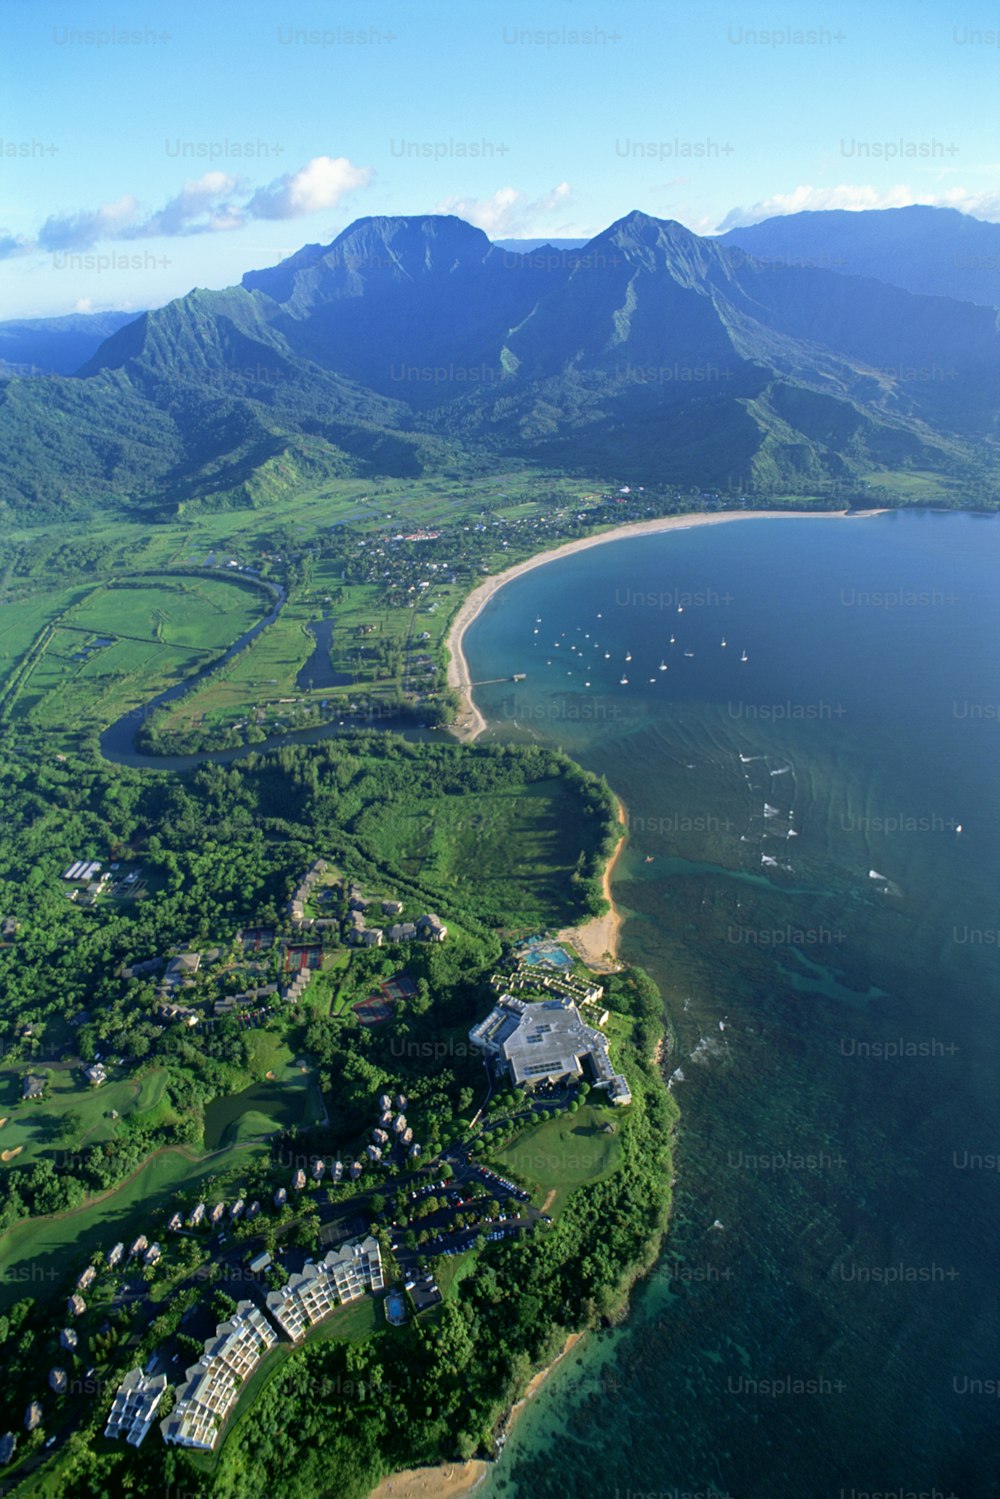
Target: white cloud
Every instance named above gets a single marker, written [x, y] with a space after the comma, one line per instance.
[510, 214]
[320, 184]
[855, 197]
[13, 244]
[73, 231]
[211, 204]
[202, 206]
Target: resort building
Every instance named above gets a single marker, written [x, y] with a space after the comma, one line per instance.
[547, 1042]
[212, 1386]
[431, 928]
[182, 969]
[68, 1340]
[76, 1306]
[340, 1276]
[58, 1381]
[134, 1406]
[8, 1446]
[117, 1250]
[33, 1416]
[86, 1278]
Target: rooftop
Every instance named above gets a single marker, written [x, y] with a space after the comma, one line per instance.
[545, 1042]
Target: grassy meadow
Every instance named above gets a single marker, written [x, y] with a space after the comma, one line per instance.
[40, 1252]
[522, 843]
[563, 1153]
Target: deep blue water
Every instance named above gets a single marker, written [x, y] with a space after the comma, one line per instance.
[837, 1033]
[318, 670]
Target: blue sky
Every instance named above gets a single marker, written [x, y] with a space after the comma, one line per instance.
[148, 149]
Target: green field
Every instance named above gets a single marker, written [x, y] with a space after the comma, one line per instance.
[76, 659]
[523, 844]
[38, 1255]
[164, 628]
[564, 1153]
[72, 1115]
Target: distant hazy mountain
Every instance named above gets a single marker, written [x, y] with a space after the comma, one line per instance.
[525, 246]
[56, 345]
[414, 344]
[932, 251]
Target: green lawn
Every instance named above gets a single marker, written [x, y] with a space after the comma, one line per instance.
[72, 1115]
[40, 1254]
[564, 1153]
[451, 1270]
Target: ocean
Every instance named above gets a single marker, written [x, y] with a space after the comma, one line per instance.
[808, 748]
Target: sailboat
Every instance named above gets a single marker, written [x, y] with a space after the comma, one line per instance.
[628, 655]
[663, 666]
[673, 640]
[623, 682]
[744, 657]
[723, 641]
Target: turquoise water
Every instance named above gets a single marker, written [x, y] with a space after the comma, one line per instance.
[834, 995]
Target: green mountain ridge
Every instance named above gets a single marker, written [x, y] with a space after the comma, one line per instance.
[412, 344]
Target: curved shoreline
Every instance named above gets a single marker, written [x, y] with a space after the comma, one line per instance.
[596, 940]
[469, 722]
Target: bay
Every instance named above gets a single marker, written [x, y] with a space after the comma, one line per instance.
[837, 1032]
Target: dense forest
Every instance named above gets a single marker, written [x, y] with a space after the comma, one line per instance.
[222, 849]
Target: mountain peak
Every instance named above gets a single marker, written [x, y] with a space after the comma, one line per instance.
[378, 248]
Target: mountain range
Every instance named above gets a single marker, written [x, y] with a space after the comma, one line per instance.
[936, 252]
[414, 344]
[55, 345]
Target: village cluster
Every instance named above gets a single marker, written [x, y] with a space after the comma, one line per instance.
[211, 1386]
[534, 1043]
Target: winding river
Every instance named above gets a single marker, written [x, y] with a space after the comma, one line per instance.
[117, 743]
